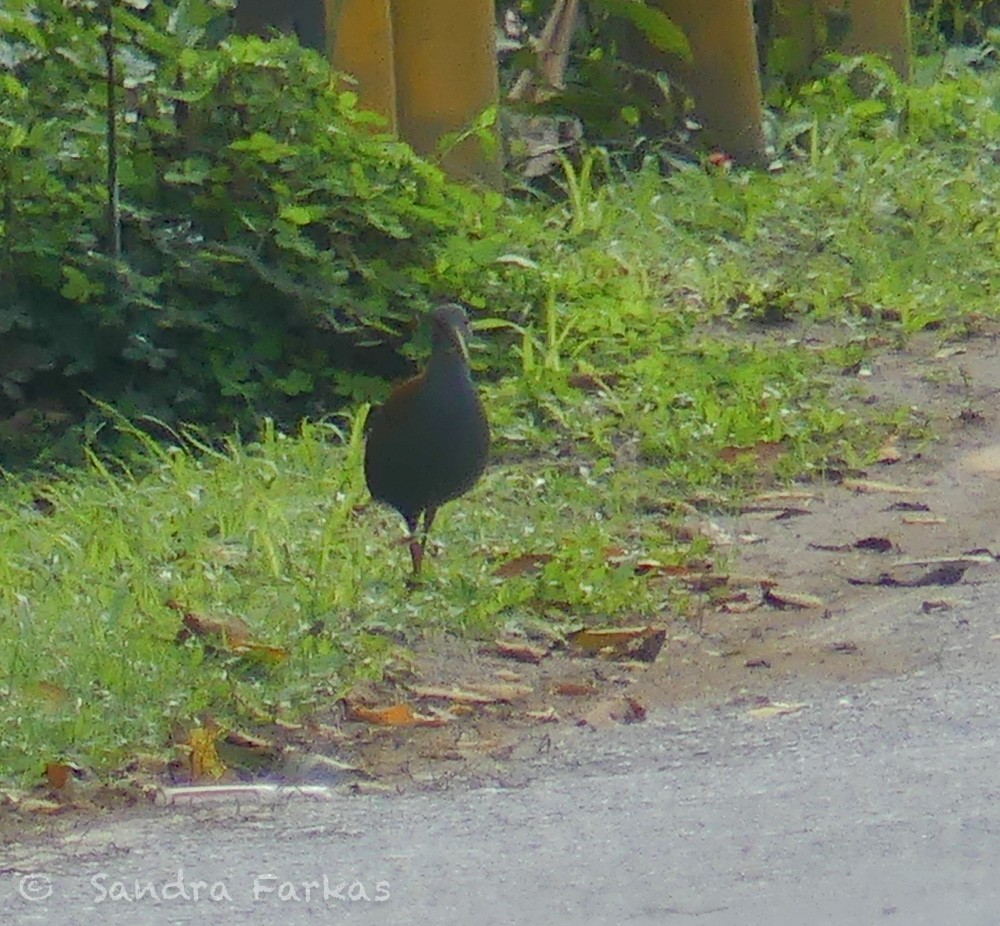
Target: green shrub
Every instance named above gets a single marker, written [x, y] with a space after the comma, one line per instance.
[271, 239]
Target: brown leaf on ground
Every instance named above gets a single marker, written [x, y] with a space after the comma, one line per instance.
[873, 486]
[231, 634]
[614, 711]
[33, 805]
[785, 598]
[615, 555]
[874, 544]
[525, 564]
[230, 630]
[635, 711]
[642, 643]
[889, 452]
[742, 603]
[775, 709]
[61, 776]
[522, 652]
[394, 715]
[781, 498]
[916, 577]
[485, 693]
[549, 715]
[246, 748]
[844, 646]
[654, 567]
[764, 454]
[787, 514]
[908, 506]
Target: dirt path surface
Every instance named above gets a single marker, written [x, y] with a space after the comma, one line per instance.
[850, 562]
[875, 593]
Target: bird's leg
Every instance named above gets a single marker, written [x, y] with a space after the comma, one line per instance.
[428, 521]
[415, 543]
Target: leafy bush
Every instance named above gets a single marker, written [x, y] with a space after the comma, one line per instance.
[958, 20]
[268, 232]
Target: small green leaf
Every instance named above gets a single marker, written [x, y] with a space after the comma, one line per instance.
[297, 215]
[653, 24]
[296, 383]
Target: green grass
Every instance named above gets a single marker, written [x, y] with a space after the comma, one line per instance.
[710, 311]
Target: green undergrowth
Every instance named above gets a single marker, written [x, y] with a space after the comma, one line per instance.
[651, 345]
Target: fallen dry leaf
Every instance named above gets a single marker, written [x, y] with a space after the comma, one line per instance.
[231, 634]
[784, 598]
[549, 715]
[261, 652]
[39, 806]
[776, 709]
[937, 604]
[871, 486]
[635, 711]
[874, 544]
[907, 506]
[525, 564]
[642, 643]
[763, 454]
[889, 452]
[911, 576]
[972, 558]
[522, 652]
[61, 775]
[230, 631]
[485, 693]
[844, 646]
[781, 499]
[252, 746]
[395, 715]
[613, 711]
[615, 555]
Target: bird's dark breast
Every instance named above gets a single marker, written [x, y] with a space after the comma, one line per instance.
[426, 447]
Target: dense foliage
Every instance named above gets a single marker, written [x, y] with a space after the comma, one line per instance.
[267, 231]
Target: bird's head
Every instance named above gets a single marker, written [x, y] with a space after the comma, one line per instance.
[450, 330]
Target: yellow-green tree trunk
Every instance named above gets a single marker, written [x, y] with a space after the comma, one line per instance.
[880, 27]
[724, 73]
[446, 77]
[361, 45]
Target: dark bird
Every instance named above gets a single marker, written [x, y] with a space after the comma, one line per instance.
[428, 444]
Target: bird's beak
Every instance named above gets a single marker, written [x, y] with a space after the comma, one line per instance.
[463, 346]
